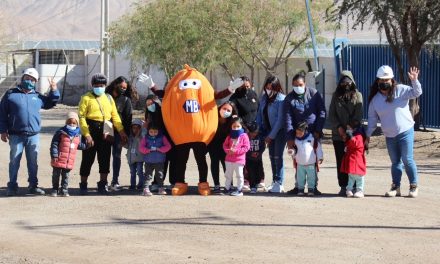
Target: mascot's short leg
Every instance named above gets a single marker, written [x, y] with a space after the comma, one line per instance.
[180, 188]
[204, 188]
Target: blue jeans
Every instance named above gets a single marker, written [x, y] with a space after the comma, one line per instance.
[116, 154]
[355, 179]
[31, 145]
[276, 150]
[310, 171]
[400, 149]
[137, 168]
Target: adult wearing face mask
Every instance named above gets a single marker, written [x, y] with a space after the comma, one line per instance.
[226, 111]
[303, 104]
[120, 89]
[345, 109]
[270, 119]
[246, 101]
[95, 108]
[389, 103]
[20, 123]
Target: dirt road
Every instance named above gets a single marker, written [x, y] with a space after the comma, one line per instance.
[261, 228]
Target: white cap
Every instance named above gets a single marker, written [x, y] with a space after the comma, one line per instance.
[385, 72]
[32, 72]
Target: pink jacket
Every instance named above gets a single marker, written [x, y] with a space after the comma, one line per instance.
[241, 145]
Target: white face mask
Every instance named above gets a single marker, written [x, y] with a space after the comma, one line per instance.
[299, 89]
[71, 127]
[269, 93]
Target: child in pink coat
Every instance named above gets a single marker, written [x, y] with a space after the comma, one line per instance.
[236, 145]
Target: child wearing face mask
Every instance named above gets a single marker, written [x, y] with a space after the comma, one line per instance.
[226, 111]
[236, 145]
[353, 162]
[306, 157]
[63, 148]
[154, 146]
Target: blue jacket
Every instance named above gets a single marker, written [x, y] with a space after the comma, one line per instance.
[310, 108]
[275, 114]
[20, 112]
[160, 143]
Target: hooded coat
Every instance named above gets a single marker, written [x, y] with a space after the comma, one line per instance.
[342, 112]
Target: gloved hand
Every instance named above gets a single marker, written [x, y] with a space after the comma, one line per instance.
[148, 80]
[233, 85]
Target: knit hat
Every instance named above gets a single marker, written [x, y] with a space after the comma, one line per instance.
[74, 116]
[99, 78]
[137, 122]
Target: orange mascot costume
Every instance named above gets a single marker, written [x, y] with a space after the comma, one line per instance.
[190, 115]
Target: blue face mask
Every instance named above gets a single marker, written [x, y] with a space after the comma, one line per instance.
[28, 85]
[236, 133]
[98, 90]
[152, 107]
[71, 128]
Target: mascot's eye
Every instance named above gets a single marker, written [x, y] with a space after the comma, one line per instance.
[190, 84]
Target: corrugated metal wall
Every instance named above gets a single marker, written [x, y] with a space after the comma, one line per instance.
[363, 60]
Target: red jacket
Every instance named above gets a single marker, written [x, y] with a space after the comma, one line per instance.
[354, 159]
[64, 149]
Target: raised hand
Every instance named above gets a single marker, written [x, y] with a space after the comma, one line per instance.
[413, 73]
[52, 83]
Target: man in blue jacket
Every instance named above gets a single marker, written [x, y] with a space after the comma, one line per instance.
[20, 123]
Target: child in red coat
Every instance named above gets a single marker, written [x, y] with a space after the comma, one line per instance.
[354, 163]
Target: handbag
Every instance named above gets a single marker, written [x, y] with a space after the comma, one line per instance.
[108, 133]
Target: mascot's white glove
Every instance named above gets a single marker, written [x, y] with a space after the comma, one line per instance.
[233, 85]
[148, 80]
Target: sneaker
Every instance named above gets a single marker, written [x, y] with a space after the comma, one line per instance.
[64, 193]
[311, 192]
[54, 193]
[358, 194]
[261, 185]
[246, 188]
[162, 191]
[12, 190]
[115, 187]
[237, 193]
[276, 188]
[413, 191]
[294, 191]
[300, 192]
[253, 190]
[217, 189]
[393, 192]
[349, 193]
[154, 188]
[147, 192]
[36, 190]
[316, 191]
[343, 192]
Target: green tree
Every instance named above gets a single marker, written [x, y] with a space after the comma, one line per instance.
[408, 25]
[212, 33]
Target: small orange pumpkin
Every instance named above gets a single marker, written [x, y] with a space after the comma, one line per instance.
[188, 108]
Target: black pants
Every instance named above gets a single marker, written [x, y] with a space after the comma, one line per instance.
[56, 172]
[182, 154]
[101, 147]
[255, 172]
[217, 155]
[339, 152]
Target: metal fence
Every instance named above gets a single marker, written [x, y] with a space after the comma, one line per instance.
[363, 60]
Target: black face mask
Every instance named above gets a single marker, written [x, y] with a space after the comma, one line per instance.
[384, 86]
[121, 91]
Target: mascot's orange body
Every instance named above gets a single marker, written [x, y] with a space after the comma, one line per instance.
[190, 115]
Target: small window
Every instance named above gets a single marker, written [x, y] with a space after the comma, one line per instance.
[75, 57]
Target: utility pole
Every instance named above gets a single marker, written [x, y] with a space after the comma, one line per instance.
[312, 33]
[104, 54]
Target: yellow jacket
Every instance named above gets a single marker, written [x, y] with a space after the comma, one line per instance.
[89, 109]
